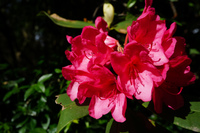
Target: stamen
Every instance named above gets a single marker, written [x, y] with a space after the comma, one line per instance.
[87, 56]
[126, 39]
[110, 94]
[119, 48]
[133, 74]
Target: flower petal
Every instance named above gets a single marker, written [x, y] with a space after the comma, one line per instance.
[119, 62]
[101, 24]
[157, 97]
[89, 33]
[144, 86]
[72, 90]
[99, 107]
[170, 32]
[133, 49]
[169, 47]
[173, 101]
[119, 109]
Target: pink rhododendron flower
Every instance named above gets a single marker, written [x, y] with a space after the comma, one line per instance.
[178, 76]
[136, 73]
[90, 55]
[167, 53]
[103, 90]
[101, 86]
[93, 46]
[153, 65]
[87, 49]
[148, 30]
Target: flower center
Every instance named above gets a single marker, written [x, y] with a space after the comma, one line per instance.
[133, 70]
[134, 77]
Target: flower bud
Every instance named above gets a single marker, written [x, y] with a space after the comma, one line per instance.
[108, 11]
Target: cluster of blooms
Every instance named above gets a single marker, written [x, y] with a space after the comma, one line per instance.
[152, 65]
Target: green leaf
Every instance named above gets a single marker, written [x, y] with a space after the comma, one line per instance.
[21, 124]
[184, 117]
[145, 104]
[40, 87]
[16, 116]
[66, 22]
[70, 111]
[28, 92]
[194, 51]
[38, 130]
[121, 27]
[22, 130]
[109, 125]
[130, 16]
[67, 83]
[131, 3]
[64, 100]
[10, 93]
[46, 124]
[195, 106]
[32, 123]
[67, 127]
[57, 70]
[45, 77]
[191, 121]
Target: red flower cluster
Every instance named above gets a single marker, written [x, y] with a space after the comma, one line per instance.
[153, 65]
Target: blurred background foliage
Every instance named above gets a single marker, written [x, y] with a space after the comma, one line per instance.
[32, 55]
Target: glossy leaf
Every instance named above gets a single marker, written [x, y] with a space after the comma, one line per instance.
[131, 3]
[28, 92]
[40, 87]
[191, 121]
[45, 77]
[70, 111]
[66, 22]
